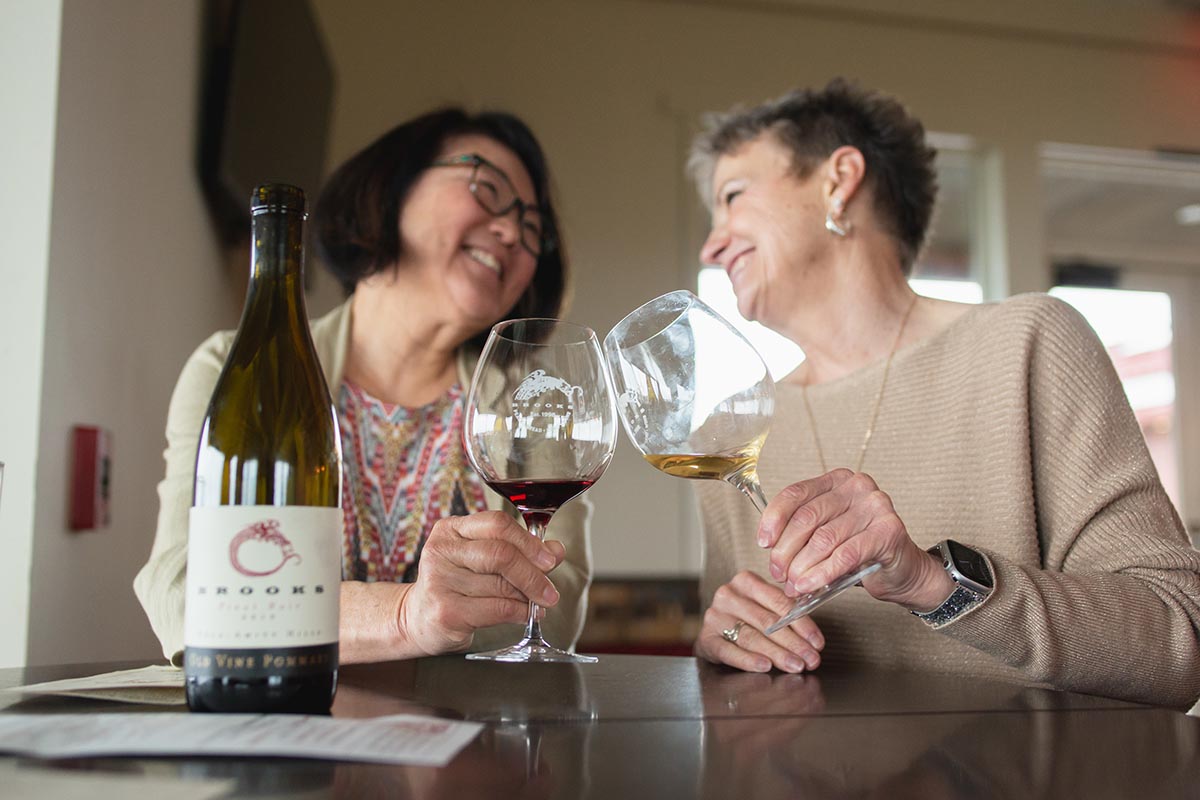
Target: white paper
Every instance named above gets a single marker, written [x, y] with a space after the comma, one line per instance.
[38, 783]
[157, 685]
[397, 739]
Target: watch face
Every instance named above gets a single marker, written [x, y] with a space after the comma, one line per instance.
[970, 563]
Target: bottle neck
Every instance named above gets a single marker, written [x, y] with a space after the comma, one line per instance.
[277, 258]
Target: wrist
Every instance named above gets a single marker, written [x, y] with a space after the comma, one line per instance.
[932, 589]
[372, 626]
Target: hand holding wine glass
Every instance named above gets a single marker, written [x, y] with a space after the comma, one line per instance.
[541, 428]
[696, 399]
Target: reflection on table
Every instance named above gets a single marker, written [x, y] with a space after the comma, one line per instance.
[641, 726]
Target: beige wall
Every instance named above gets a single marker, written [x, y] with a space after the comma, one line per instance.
[28, 77]
[134, 282]
[132, 279]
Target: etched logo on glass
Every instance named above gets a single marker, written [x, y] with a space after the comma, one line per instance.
[544, 404]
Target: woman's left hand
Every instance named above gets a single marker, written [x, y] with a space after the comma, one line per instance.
[826, 527]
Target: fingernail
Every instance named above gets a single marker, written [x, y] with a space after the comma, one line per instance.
[763, 539]
[816, 641]
[550, 596]
[789, 589]
[762, 665]
[544, 559]
[794, 664]
[776, 571]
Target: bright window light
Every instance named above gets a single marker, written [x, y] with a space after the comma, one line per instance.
[782, 355]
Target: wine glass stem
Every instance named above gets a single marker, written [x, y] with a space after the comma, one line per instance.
[533, 627]
[747, 483]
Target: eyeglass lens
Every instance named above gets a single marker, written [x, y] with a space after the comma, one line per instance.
[495, 193]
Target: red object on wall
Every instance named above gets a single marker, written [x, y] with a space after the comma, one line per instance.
[90, 477]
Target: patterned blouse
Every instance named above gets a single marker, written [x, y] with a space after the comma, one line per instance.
[403, 470]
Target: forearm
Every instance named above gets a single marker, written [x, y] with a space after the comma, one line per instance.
[1131, 635]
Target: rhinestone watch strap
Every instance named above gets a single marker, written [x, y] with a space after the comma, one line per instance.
[960, 601]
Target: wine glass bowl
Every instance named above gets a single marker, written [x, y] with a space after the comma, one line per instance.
[541, 428]
[695, 397]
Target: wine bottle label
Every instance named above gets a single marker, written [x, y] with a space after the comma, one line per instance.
[262, 577]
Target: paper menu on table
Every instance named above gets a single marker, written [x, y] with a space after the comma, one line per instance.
[154, 685]
[397, 739]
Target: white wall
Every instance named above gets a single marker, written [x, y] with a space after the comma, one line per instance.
[135, 282]
[28, 77]
[107, 289]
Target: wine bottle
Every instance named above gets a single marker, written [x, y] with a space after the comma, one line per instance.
[265, 529]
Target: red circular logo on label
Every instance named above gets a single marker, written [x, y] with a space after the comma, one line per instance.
[261, 560]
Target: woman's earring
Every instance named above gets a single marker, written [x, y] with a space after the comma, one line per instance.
[831, 224]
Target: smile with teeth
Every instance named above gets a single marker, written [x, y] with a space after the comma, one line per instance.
[485, 258]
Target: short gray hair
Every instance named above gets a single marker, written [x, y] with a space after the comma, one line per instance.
[811, 124]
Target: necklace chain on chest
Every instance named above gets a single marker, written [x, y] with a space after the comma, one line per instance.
[887, 366]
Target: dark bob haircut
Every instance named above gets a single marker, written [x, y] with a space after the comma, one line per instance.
[811, 124]
[357, 215]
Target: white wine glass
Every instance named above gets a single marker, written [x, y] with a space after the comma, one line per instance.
[541, 428]
[696, 399]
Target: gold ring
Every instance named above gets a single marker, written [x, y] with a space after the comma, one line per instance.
[731, 634]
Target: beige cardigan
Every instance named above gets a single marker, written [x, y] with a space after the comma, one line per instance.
[160, 583]
[1009, 432]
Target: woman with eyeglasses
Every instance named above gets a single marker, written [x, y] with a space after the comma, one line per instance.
[436, 231]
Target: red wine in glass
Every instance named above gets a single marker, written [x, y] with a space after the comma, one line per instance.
[540, 497]
[540, 428]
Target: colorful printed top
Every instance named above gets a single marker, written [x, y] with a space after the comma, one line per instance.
[403, 470]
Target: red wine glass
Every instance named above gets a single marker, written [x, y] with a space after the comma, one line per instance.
[541, 428]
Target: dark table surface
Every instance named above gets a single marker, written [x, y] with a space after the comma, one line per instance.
[645, 726]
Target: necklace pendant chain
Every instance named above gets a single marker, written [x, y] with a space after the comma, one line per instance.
[887, 366]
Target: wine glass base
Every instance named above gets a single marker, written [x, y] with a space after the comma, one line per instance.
[534, 651]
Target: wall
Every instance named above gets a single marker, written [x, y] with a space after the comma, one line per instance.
[134, 283]
[614, 89]
[28, 77]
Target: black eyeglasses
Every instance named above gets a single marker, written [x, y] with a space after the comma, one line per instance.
[495, 194]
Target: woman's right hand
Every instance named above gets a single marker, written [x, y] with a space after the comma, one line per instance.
[750, 599]
[475, 572]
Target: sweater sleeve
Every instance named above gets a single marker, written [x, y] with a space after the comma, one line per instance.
[159, 585]
[1114, 606]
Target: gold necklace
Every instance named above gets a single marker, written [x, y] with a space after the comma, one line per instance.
[887, 366]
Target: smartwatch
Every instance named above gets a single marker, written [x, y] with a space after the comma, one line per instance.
[973, 582]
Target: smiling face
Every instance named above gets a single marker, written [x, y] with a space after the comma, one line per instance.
[471, 264]
[767, 230]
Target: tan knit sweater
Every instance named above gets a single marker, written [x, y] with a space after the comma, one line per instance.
[1008, 431]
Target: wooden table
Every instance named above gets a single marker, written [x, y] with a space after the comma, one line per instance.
[664, 728]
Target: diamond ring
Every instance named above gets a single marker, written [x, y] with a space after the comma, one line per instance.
[731, 634]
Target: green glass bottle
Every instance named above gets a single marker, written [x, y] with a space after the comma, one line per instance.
[265, 530]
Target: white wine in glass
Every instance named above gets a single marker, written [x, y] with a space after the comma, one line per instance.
[696, 399]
